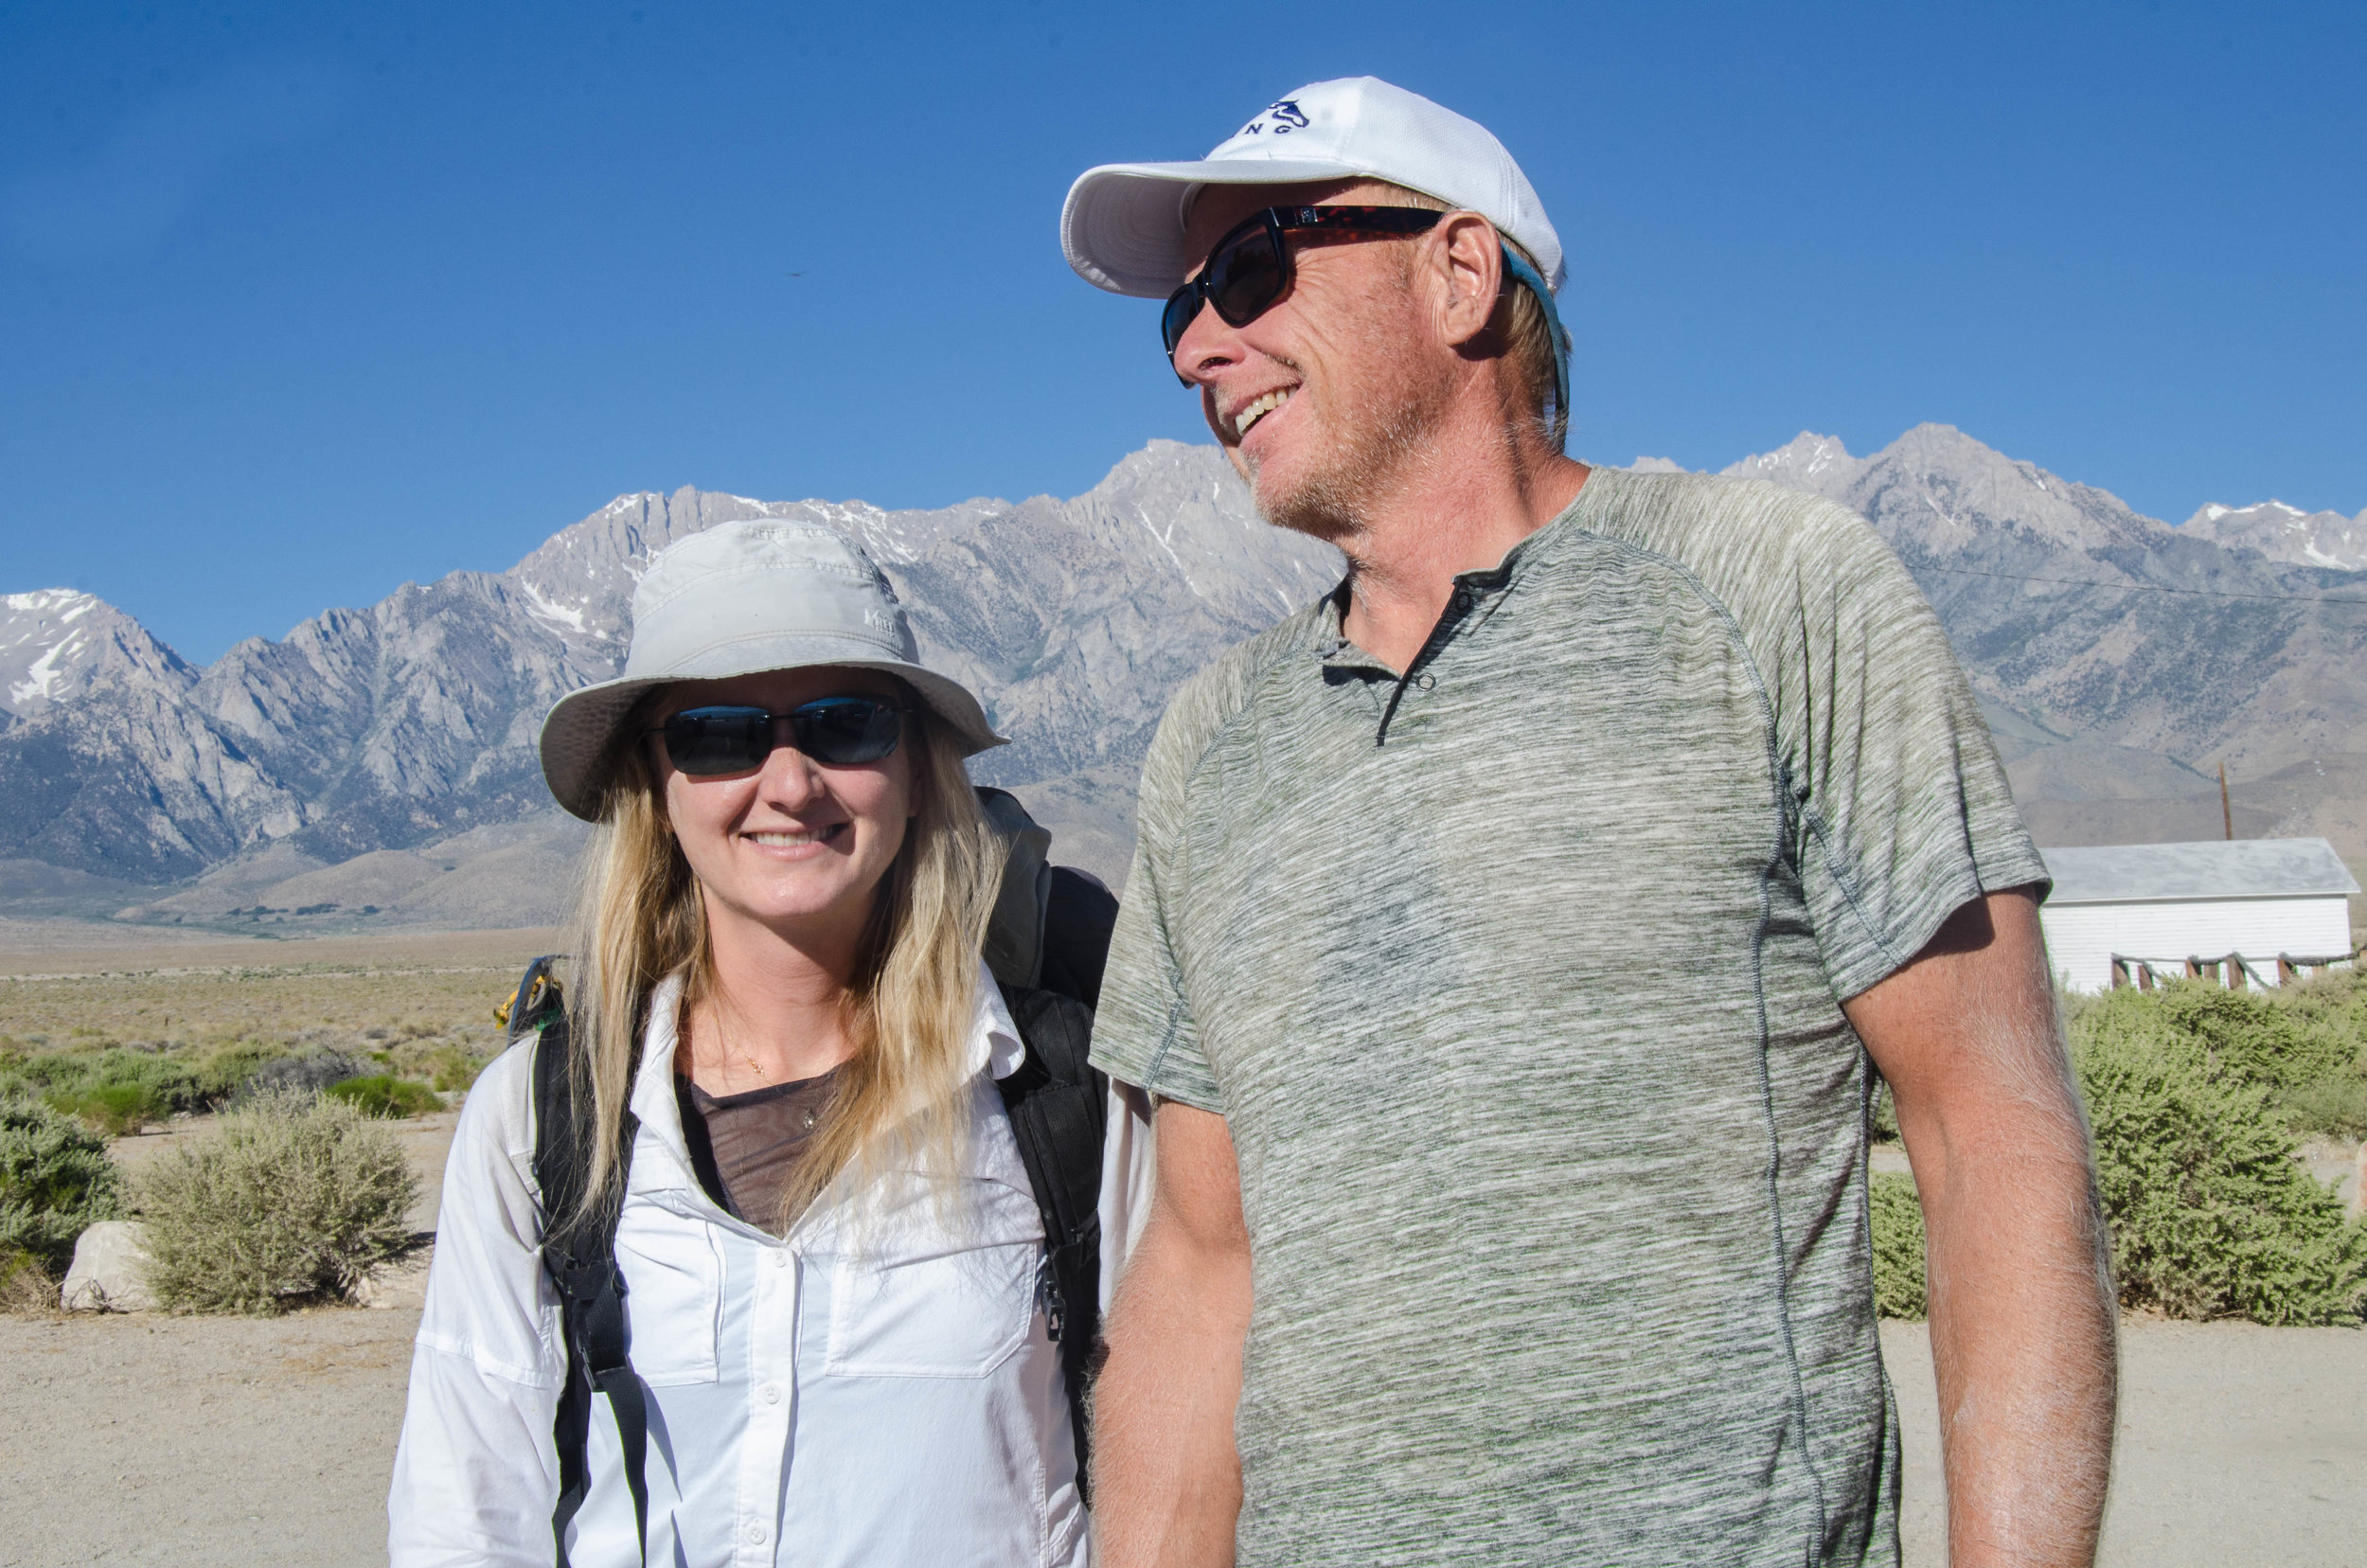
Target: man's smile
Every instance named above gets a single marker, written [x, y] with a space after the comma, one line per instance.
[1256, 409]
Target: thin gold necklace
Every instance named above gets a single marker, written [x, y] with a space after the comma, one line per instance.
[723, 1048]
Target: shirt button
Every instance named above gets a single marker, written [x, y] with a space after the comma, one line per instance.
[754, 1533]
[780, 1259]
[772, 1393]
[1427, 682]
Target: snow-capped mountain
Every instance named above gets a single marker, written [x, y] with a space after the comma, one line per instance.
[2286, 533]
[414, 720]
[387, 752]
[56, 642]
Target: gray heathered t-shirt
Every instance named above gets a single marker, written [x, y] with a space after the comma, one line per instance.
[1517, 983]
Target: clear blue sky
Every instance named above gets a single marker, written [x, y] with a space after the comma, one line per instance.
[300, 301]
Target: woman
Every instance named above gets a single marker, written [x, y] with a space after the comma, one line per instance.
[828, 1245]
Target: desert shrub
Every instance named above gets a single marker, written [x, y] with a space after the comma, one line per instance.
[1882, 1118]
[2333, 1106]
[115, 1090]
[230, 1068]
[2305, 1044]
[2244, 1037]
[117, 1109]
[455, 1071]
[1897, 1215]
[308, 1069]
[55, 1180]
[294, 1198]
[383, 1095]
[25, 1285]
[2210, 1214]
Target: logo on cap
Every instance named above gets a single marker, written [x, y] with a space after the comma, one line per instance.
[1285, 116]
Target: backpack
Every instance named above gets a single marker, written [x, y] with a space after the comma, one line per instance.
[1046, 947]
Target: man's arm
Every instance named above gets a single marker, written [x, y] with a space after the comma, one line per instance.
[2022, 1313]
[1167, 1478]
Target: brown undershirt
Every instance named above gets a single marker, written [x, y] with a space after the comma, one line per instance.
[745, 1147]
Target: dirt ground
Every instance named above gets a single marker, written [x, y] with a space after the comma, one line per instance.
[230, 1443]
[201, 1442]
[2240, 1446]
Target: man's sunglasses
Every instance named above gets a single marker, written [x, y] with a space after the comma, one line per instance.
[707, 742]
[1249, 268]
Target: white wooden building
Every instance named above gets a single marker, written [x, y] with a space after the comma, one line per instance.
[2230, 910]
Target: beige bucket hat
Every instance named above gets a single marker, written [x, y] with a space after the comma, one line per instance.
[743, 598]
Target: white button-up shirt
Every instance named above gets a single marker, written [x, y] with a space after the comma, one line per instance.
[877, 1393]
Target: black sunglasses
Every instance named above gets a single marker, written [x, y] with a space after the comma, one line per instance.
[707, 742]
[1249, 268]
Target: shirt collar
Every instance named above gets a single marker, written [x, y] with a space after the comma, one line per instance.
[1330, 641]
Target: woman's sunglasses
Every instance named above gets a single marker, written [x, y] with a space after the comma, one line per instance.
[837, 732]
[1249, 268]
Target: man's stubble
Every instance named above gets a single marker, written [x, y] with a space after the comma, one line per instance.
[1379, 444]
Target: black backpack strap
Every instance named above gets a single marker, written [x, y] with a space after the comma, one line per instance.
[579, 1254]
[1057, 1105]
[1080, 914]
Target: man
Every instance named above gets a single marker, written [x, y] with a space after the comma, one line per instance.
[1507, 938]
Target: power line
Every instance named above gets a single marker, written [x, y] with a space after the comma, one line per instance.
[2145, 587]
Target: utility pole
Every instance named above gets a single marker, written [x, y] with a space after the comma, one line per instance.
[2227, 812]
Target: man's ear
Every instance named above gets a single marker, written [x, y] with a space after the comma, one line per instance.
[1468, 265]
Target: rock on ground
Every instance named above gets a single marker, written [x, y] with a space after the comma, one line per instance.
[109, 1270]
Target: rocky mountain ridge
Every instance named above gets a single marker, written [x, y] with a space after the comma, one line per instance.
[57, 643]
[381, 759]
[2286, 533]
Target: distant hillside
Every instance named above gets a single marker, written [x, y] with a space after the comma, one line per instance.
[376, 765]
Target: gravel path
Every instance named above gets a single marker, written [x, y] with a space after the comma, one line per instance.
[233, 1443]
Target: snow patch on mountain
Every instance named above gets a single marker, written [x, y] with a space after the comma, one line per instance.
[2284, 532]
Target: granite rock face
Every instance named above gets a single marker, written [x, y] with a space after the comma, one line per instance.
[412, 722]
[2286, 533]
[378, 764]
[2120, 660]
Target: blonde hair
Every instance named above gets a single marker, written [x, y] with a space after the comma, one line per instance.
[1525, 331]
[641, 921]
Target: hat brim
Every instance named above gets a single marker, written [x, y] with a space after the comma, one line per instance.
[1122, 227]
[581, 734]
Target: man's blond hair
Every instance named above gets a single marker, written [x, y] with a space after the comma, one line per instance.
[1526, 330]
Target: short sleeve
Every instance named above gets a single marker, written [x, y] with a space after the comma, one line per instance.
[1902, 810]
[1144, 1031]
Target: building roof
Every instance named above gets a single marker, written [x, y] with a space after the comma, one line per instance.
[2215, 868]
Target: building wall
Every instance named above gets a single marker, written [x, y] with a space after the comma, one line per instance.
[2081, 938]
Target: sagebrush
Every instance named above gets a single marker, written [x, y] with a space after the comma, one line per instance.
[2196, 1094]
[1898, 1215]
[384, 1095]
[56, 1181]
[2212, 1214]
[294, 1198]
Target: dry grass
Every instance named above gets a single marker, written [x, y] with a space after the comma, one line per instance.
[178, 1038]
[171, 1009]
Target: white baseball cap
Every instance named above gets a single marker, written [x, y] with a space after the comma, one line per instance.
[1123, 226]
[743, 598]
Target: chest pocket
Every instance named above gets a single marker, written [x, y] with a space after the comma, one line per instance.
[937, 1290]
[673, 1292]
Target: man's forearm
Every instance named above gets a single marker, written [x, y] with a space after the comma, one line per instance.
[1166, 1476]
[2024, 1344]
